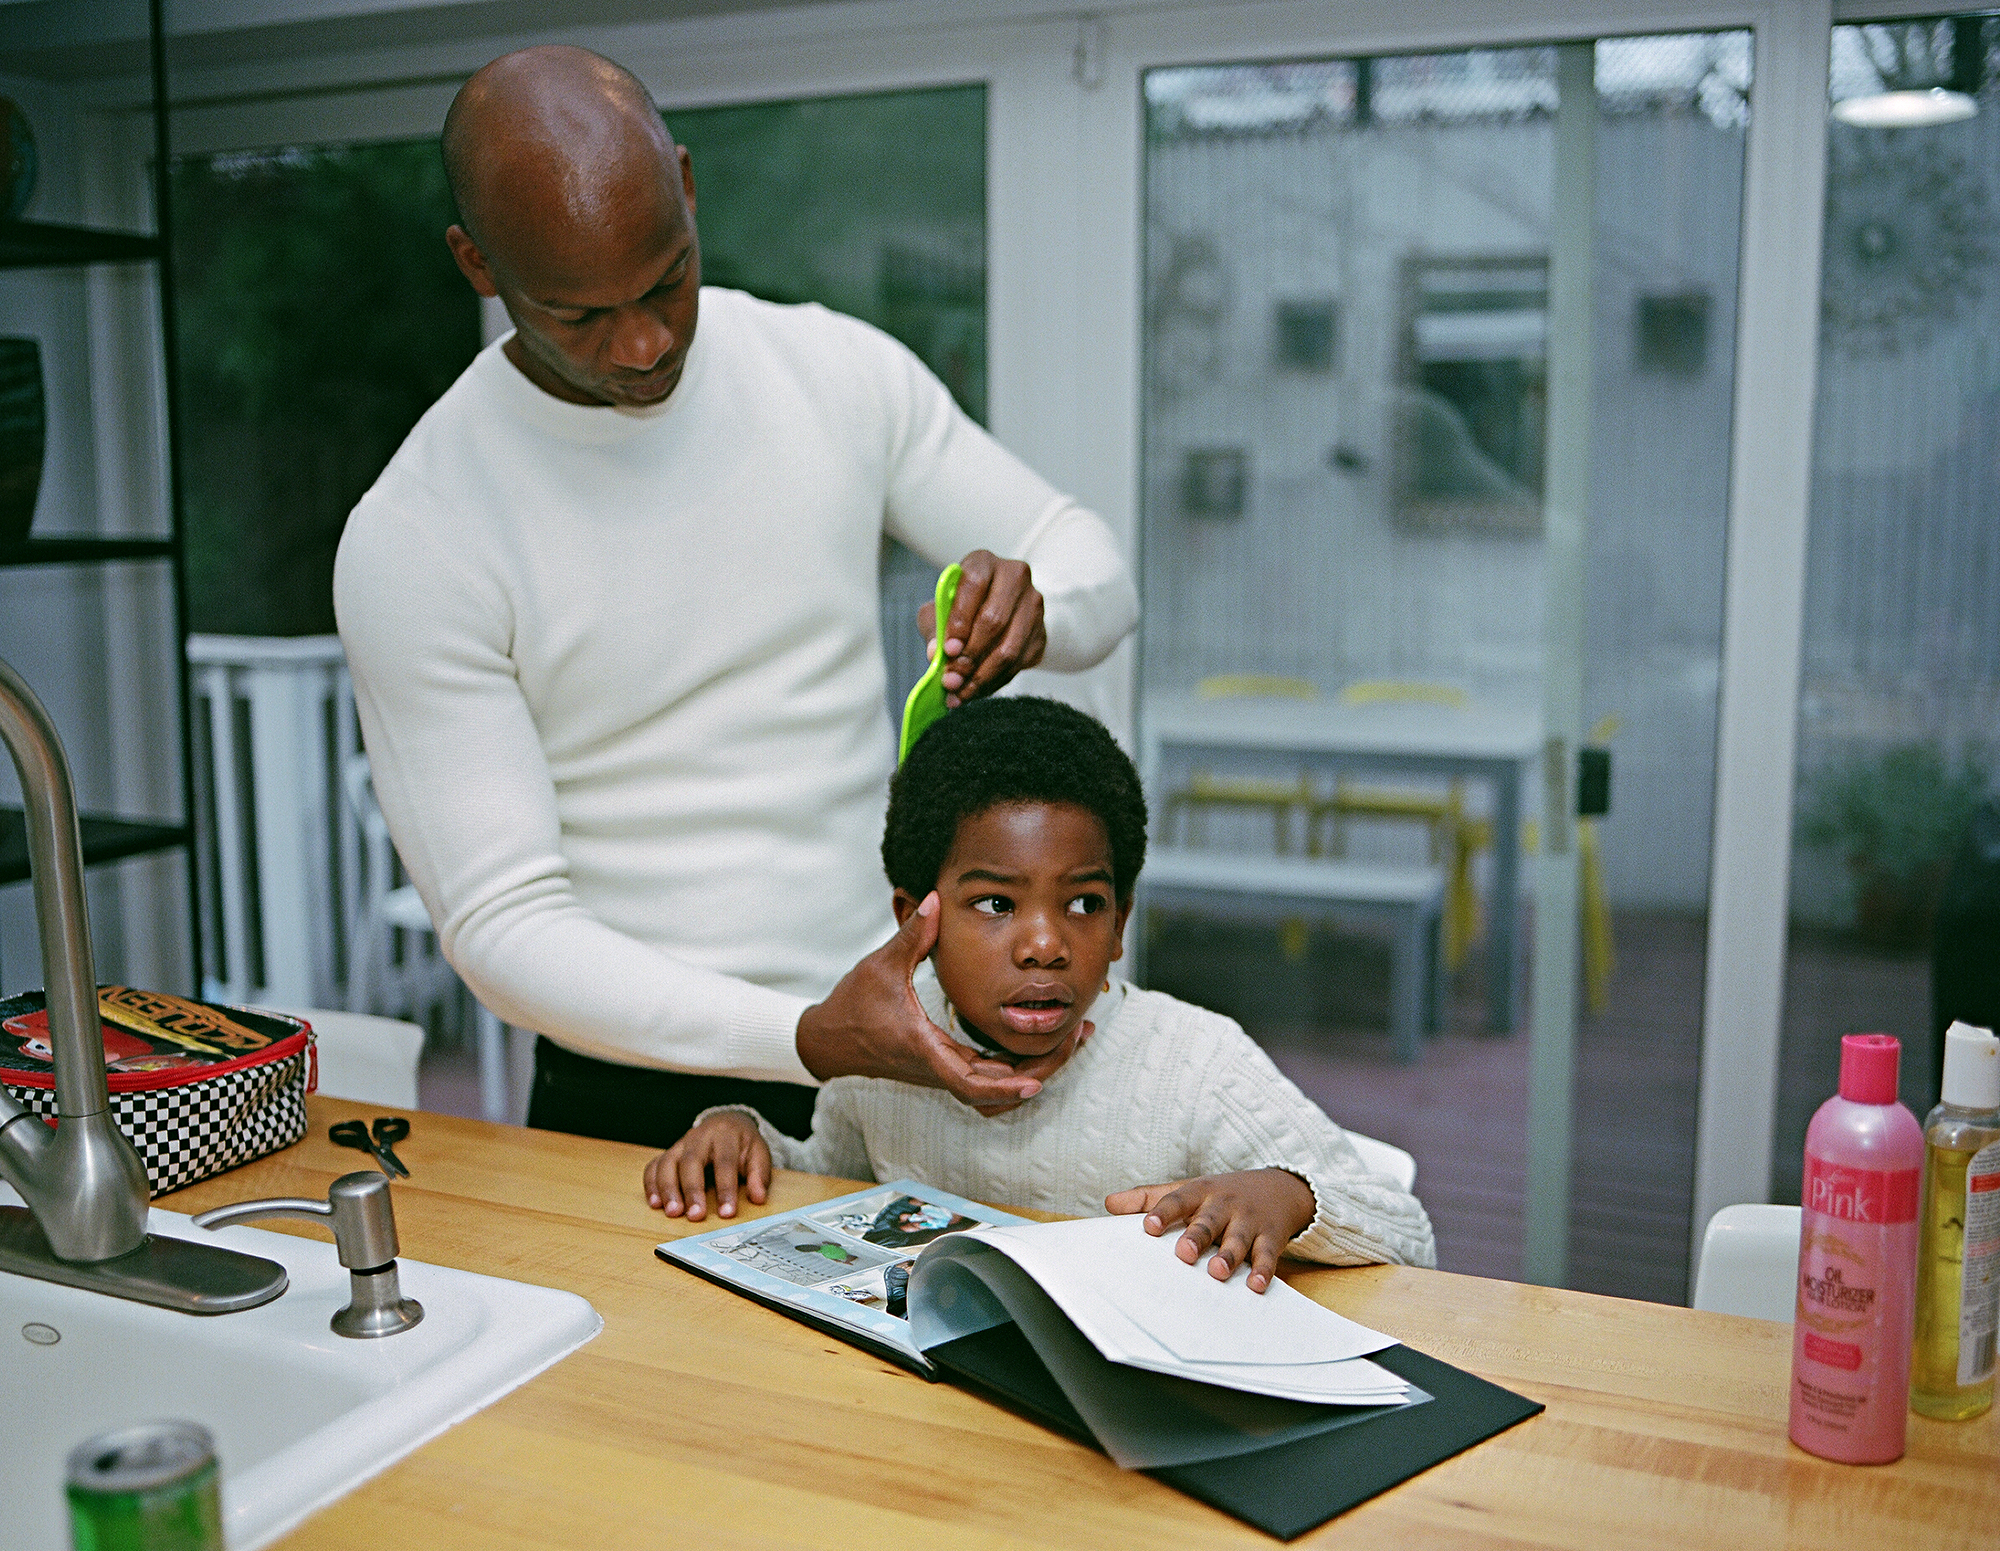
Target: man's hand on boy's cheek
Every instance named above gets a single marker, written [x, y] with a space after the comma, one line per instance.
[872, 1025]
[1251, 1216]
[677, 1180]
[1041, 1068]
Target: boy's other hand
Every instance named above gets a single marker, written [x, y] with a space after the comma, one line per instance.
[995, 630]
[728, 1143]
[1253, 1215]
[872, 1025]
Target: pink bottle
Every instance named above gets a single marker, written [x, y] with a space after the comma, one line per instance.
[1857, 1263]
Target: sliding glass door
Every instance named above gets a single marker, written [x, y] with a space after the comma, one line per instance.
[1439, 355]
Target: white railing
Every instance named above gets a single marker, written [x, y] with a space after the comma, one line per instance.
[298, 876]
[279, 849]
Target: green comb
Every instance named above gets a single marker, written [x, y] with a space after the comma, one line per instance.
[926, 702]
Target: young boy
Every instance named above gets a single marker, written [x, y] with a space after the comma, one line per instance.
[1023, 824]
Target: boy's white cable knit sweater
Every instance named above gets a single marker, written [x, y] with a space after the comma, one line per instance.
[1163, 1091]
[621, 678]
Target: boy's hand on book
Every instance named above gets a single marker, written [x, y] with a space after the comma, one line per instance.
[872, 1025]
[1250, 1216]
[728, 1143]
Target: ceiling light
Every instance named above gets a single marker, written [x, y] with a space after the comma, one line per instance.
[1906, 110]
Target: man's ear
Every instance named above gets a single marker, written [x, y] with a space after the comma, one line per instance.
[471, 262]
[1118, 948]
[904, 905]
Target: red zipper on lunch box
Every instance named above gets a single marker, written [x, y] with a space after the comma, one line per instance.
[149, 1082]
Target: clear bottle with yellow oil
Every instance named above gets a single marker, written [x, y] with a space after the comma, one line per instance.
[1958, 1241]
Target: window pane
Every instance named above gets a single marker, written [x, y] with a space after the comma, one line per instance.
[872, 205]
[320, 314]
[1894, 902]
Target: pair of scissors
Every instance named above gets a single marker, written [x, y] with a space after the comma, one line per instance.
[389, 1129]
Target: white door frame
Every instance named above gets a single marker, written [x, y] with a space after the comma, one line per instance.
[1065, 148]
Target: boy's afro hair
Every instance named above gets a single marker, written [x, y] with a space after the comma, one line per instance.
[1010, 749]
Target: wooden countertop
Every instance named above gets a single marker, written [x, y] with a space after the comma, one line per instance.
[698, 1417]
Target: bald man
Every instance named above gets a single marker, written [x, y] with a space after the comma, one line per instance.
[613, 617]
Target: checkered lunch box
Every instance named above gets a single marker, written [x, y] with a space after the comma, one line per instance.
[199, 1089]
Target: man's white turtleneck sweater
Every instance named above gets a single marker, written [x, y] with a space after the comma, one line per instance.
[620, 672]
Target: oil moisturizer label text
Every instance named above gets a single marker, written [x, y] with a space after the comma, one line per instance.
[1979, 1288]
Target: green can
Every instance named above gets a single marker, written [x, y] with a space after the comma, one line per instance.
[153, 1487]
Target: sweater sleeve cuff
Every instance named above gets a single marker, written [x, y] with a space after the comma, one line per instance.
[785, 1150]
[764, 1036]
[1085, 624]
[1335, 1236]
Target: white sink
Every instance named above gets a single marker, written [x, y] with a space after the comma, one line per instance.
[300, 1415]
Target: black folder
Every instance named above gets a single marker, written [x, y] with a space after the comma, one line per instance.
[1288, 1488]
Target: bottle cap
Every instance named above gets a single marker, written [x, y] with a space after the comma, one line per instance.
[1868, 1065]
[1971, 1067]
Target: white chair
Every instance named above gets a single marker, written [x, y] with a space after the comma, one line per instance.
[423, 980]
[1385, 1158]
[1750, 1262]
[368, 1059]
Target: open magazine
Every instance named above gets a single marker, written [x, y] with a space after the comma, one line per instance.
[1268, 1405]
[908, 1271]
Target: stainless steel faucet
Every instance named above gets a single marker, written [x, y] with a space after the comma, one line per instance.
[86, 1190]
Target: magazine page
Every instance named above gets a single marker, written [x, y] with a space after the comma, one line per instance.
[830, 1262]
[1097, 1263]
[1141, 1306]
[1143, 1420]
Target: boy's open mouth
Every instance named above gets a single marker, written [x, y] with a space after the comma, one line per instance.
[1038, 1009]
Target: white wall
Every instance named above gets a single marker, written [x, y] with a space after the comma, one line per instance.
[1316, 579]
